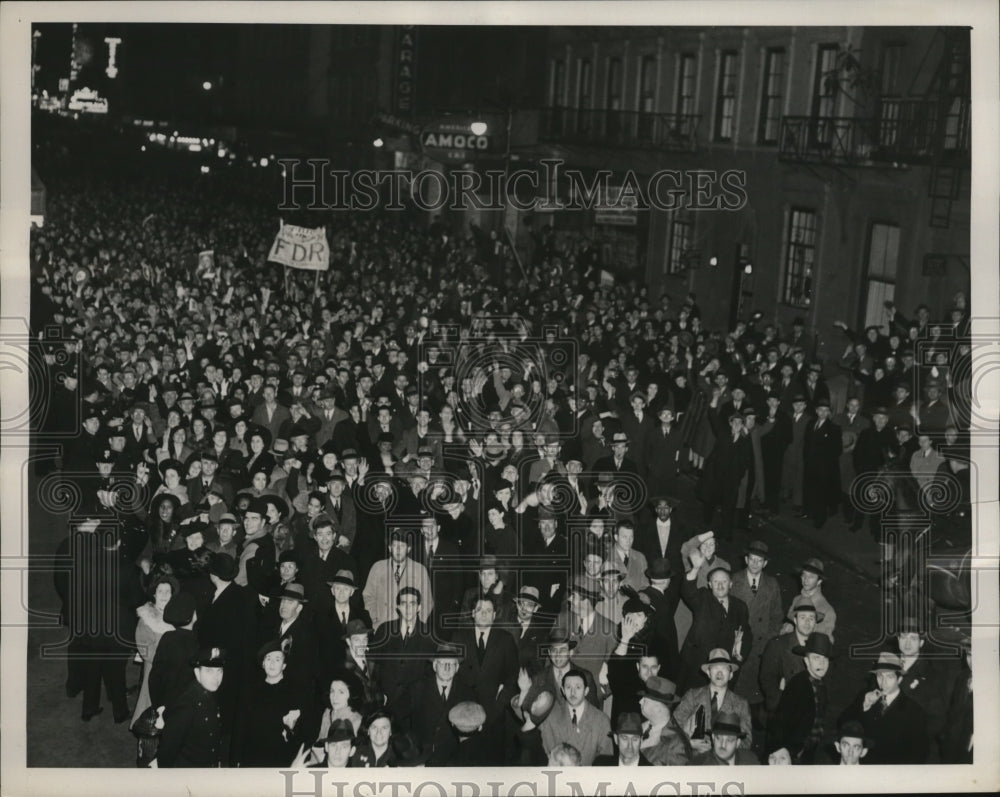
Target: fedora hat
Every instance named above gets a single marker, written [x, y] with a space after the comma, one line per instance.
[529, 593]
[659, 569]
[586, 592]
[345, 577]
[719, 656]
[854, 730]
[447, 650]
[888, 661]
[558, 637]
[808, 607]
[294, 591]
[619, 437]
[407, 750]
[340, 731]
[179, 609]
[812, 565]
[816, 642]
[629, 722]
[727, 723]
[758, 548]
[661, 689]
[541, 706]
[223, 566]
[355, 627]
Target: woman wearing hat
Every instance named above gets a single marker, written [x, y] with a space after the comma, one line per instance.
[172, 472]
[269, 724]
[150, 628]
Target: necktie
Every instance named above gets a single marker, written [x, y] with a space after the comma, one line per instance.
[715, 705]
[881, 706]
[574, 718]
[753, 586]
[343, 618]
[399, 573]
[406, 633]
[444, 694]
[626, 560]
[482, 645]
[725, 609]
[579, 629]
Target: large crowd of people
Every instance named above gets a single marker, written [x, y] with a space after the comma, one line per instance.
[406, 513]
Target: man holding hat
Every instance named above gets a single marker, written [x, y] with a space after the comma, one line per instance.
[727, 747]
[893, 721]
[433, 697]
[558, 651]
[700, 706]
[192, 730]
[821, 462]
[628, 737]
[799, 723]
[762, 595]
[720, 620]
[664, 595]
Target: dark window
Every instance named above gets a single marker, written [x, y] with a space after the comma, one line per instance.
[800, 257]
[725, 103]
[824, 101]
[770, 99]
[681, 235]
[686, 77]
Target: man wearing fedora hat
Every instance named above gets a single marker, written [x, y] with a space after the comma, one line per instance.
[345, 606]
[297, 635]
[627, 736]
[821, 469]
[437, 692]
[799, 723]
[664, 596]
[762, 595]
[812, 573]
[664, 743]
[779, 663]
[894, 722]
[529, 629]
[617, 462]
[727, 746]
[701, 705]
[851, 743]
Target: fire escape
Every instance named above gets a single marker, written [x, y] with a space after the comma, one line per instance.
[929, 129]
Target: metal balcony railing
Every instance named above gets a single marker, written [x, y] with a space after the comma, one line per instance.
[904, 131]
[678, 132]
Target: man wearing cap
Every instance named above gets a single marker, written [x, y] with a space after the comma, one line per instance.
[894, 722]
[780, 663]
[701, 705]
[577, 722]
[762, 595]
[433, 697]
[728, 746]
[811, 575]
[473, 747]
[627, 736]
[799, 722]
[821, 474]
[719, 620]
[192, 730]
[229, 622]
[388, 576]
[401, 648]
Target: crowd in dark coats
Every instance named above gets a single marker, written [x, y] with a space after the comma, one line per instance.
[408, 506]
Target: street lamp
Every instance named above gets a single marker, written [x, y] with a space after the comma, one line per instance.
[378, 143]
[207, 85]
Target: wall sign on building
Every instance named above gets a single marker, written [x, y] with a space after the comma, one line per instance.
[406, 58]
